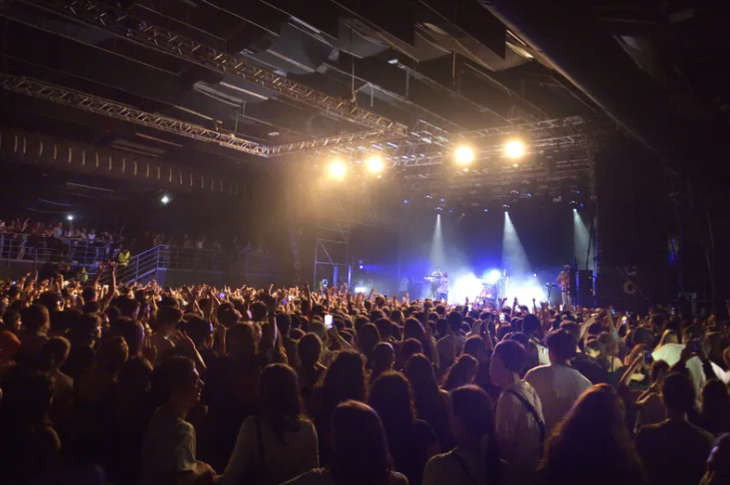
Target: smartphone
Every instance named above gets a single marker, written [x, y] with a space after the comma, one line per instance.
[613, 311]
[221, 295]
[328, 321]
[501, 317]
[283, 302]
[696, 345]
[648, 358]
[13, 282]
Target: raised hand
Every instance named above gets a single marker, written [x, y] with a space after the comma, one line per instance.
[269, 301]
[149, 351]
[181, 339]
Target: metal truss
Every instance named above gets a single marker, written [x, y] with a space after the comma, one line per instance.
[97, 105]
[122, 24]
[431, 145]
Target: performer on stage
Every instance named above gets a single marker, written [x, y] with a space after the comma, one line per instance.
[563, 280]
[443, 287]
[435, 279]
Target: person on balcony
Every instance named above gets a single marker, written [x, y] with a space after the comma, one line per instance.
[123, 257]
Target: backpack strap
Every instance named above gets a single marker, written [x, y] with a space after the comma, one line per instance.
[531, 409]
[465, 468]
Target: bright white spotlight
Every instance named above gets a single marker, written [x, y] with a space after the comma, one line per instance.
[375, 164]
[464, 155]
[464, 285]
[525, 289]
[493, 277]
[337, 169]
[575, 210]
[70, 217]
[514, 149]
[165, 199]
[360, 289]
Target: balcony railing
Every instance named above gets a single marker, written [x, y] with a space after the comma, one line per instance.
[28, 248]
[38, 250]
[164, 257]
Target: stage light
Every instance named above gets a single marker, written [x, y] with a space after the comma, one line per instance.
[165, 200]
[70, 217]
[405, 201]
[486, 210]
[375, 164]
[439, 208]
[493, 277]
[514, 149]
[451, 211]
[575, 210]
[464, 155]
[525, 289]
[337, 169]
[505, 207]
[443, 200]
[429, 196]
[463, 286]
[360, 289]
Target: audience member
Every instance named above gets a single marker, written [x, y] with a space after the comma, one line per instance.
[557, 384]
[475, 460]
[675, 451]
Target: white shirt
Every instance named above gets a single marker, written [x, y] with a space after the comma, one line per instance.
[558, 387]
[168, 447]
[282, 461]
[446, 469]
[671, 353]
[518, 433]
[443, 346]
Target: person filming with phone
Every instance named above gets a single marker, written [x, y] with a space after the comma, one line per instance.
[690, 353]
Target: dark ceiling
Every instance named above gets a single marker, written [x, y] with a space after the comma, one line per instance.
[457, 64]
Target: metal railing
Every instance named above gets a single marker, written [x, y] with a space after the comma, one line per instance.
[26, 248]
[29, 248]
[164, 257]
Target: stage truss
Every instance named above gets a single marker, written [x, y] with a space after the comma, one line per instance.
[124, 24]
[558, 167]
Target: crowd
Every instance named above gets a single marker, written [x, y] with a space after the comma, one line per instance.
[139, 384]
[58, 230]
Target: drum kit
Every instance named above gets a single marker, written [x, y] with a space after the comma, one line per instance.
[489, 293]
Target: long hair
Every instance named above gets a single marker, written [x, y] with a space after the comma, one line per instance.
[390, 397]
[412, 328]
[461, 373]
[361, 454]
[594, 436]
[279, 399]
[427, 398]
[345, 380]
[383, 359]
[367, 338]
[715, 407]
[472, 405]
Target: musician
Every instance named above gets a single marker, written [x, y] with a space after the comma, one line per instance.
[435, 280]
[443, 287]
[563, 280]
